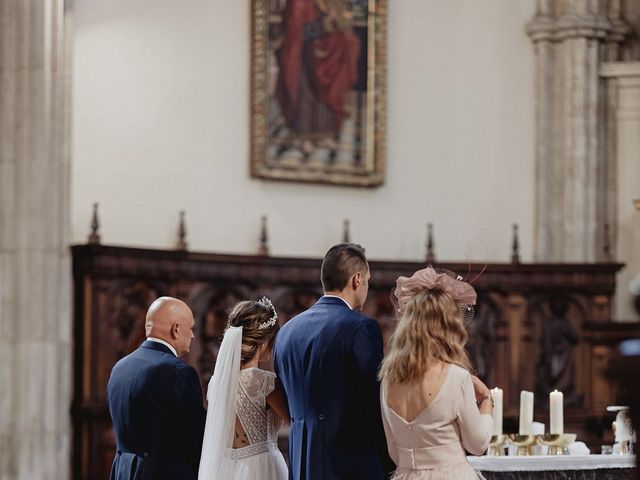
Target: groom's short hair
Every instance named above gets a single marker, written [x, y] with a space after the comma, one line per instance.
[340, 262]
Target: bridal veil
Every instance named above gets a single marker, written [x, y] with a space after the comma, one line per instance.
[215, 462]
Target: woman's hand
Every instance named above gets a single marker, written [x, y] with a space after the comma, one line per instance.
[480, 389]
[483, 395]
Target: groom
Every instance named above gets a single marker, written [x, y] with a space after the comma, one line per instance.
[327, 359]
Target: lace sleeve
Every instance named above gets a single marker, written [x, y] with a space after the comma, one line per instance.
[268, 383]
[257, 384]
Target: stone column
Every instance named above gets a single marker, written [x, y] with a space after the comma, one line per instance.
[607, 171]
[570, 38]
[547, 218]
[624, 80]
[35, 276]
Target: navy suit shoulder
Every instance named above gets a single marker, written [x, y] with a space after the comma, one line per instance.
[155, 401]
[334, 315]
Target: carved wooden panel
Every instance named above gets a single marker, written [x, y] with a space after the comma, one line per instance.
[484, 337]
[537, 327]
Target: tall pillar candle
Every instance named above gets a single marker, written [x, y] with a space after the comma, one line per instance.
[556, 416]
[526, 413]
[496, 393]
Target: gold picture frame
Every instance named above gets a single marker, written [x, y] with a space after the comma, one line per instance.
[318, 91]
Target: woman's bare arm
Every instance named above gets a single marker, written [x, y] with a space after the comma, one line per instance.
[277, 401]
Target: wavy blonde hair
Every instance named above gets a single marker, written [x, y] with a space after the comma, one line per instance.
[429, 330]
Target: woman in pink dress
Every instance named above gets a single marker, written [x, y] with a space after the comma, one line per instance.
[433, 409]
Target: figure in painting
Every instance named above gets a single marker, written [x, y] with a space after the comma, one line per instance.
[317, 67]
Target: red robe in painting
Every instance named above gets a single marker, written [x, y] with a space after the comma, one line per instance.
[316, 73]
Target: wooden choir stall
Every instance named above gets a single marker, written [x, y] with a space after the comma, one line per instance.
[538, 327]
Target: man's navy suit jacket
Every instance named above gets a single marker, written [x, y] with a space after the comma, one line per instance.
[155, 402]
[327, 359]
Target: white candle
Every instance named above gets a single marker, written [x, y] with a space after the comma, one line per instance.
[526, 412]
[496, 393]
[556, 419]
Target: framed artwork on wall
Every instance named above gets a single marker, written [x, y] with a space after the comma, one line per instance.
[318, 91]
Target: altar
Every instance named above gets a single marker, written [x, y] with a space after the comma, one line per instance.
[556, 467]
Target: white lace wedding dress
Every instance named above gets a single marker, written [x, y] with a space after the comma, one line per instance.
[257, 425]
[242, 429]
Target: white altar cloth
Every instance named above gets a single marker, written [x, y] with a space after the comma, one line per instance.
[538, 463]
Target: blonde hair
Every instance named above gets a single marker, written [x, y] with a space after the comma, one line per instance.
[250, 315]
[429, 330]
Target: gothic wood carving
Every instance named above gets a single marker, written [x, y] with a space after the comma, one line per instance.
[525, 313]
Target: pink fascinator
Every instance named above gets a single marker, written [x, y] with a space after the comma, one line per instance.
[429, 279]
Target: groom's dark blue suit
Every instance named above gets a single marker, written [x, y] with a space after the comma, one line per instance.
[155, 402]
[327, 359]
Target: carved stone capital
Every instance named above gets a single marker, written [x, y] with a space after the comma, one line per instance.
[546, 28]
[582, 26]
[542, 28]
[619, 30]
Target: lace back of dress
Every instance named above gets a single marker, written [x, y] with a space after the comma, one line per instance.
[253, 417]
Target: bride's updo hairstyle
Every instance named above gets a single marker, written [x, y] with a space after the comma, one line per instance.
[259, 323]
[430, 328]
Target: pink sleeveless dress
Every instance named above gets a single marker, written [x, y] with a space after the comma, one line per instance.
[432, 446]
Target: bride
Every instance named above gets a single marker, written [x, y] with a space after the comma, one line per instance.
[246, 406]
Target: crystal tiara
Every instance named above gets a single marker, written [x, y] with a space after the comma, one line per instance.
[272, 321]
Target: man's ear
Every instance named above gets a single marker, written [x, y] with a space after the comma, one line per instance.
[175, 330]
[356, 280]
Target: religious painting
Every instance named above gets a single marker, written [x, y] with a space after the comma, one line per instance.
[318, 91]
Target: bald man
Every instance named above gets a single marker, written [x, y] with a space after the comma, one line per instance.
[155, 401]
